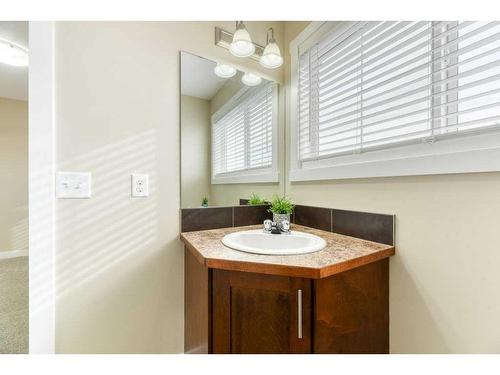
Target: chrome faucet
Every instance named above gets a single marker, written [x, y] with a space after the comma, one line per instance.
[285, 227]
[274, 228]
[268, 226]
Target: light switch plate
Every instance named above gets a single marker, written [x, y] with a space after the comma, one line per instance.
[140, 185]
[73, 185]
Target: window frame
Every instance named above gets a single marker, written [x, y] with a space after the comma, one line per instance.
[254, 175]
[464, 154]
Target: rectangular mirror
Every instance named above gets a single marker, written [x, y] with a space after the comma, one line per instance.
[230, 135]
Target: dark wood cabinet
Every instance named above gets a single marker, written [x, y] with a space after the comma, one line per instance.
[351, 311]
[255, 313]
[246, 312]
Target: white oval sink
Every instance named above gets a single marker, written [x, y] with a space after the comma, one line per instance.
[258, 242]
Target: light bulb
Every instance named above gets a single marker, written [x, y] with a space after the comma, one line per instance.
[251, 79]
[12, 54]
[224, 70]
[242, 45]
[271, 57]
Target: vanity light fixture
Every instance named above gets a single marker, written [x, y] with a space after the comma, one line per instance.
[13, 54]
[271, 57]
[224, 70]
[251, 79]
[242, 45]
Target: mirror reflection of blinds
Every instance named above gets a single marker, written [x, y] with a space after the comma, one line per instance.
[242, 139]
[376, 85]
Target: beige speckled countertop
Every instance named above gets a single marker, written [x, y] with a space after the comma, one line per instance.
[341, 253]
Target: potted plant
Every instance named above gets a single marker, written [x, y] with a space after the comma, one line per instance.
[256, 200]
[204, 202]
[281, 207]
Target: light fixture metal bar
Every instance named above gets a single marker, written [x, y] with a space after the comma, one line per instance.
[224, 38]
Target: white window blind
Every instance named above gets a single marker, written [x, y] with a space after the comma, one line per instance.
[242, 136]
[375, 85]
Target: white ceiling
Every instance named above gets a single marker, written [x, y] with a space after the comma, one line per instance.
[198, 78]
[14, 79]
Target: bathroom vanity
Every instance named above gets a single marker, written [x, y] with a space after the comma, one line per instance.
[335, 300]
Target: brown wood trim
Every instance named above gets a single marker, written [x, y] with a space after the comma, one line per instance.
[358, 262]
[264, 268]
[310, 273]
[197, 306]
[221, 319]
[286, 270]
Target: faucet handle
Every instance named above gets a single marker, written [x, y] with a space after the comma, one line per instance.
[268, 225]
[285, 226]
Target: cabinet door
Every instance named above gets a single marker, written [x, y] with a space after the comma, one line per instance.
[256, 313]
[352, 311]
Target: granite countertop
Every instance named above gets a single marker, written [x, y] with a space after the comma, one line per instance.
[341, 253]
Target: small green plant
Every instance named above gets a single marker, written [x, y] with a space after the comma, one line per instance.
[281, 205]
[204, 202]
[255, 200]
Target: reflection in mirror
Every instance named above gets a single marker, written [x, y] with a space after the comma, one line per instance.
[229, 134]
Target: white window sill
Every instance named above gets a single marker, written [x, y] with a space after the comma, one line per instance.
[247, 177]
[467, 155]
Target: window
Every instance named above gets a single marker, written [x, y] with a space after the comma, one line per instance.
[244, 137]
[395, 98]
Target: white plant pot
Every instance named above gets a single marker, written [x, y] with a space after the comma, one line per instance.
[278, 218]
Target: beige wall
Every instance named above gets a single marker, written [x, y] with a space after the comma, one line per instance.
[195, 151]
[444, 279]
[119, 262]
[226, 92]
[119, 275]
[13, 175]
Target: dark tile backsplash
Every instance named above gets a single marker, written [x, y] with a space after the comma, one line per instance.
[368, 226]
[206, 218]
[313, 217]
[222, 217]
[250, 215]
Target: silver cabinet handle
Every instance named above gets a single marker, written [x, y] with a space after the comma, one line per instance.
[299, 313]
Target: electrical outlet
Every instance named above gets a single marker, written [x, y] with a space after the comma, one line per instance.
[73, 185]
[140, 185]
